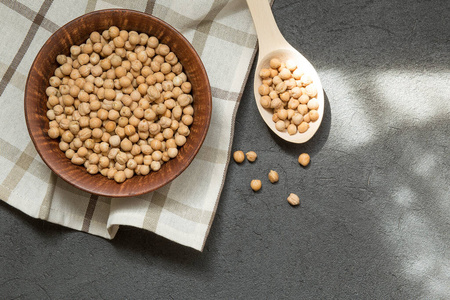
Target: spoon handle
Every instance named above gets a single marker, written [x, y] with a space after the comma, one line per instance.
[269, 36]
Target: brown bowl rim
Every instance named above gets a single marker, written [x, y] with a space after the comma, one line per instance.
[126, 193]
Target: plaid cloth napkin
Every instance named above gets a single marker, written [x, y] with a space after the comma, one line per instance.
[221, 31]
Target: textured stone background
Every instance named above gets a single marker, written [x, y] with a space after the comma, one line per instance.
[374, 220]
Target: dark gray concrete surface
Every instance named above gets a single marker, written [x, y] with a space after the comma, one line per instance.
[374, 216]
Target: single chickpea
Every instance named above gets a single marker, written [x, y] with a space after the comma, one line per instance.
[61, 59]
[280, 125]
[186, 87]
[172, 152]
[282, 114]
[285, 96]
[70, 153]
[264, 73]
[144, 169]
[237, 155]
[285, 74]
[273, 176]
[157, 155]
[251, 156]
[119, 176]
[293, 199]
[297, 119]
[313, 115]
[77, 160]
[293, 103]
[130, 130]
[265, 101]
[263, 90]
[114, 141]
[275, 63]
[276, 103]
[311, 90]
[180, 140]
[126, 145]
[67, 136]
[255, 184]
[303, 127]
[156, 144]
[155, 165]
[95, 123]
[313, 104]
[82, 151]
[92, 169]
[281, 87]
[292, 129]
[53, 133]
[75, 50]
[302, 109]
[63, 146]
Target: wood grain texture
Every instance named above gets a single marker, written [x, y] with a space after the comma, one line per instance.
[75, 33]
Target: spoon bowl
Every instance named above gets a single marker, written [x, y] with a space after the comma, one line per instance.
[273, 45]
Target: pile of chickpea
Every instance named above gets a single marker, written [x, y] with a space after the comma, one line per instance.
[290, 94]
[120, 104]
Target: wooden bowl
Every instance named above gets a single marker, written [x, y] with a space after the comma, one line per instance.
[75, 33]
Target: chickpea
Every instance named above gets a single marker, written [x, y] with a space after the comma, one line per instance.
[119, 176]
[302, 109]
[275, 63]
[126, 145]
[265, 101]
[53, 133]
[303, 127]
[313, 115]
[114, 141]
[237, 155]
[255, 184]
[77, 160]
[180, 140]
[292, 129]
[293, 199]
[297, 119]
[172, 152]
[95, 123]
[280, 125]
[85, 134]
[313, 104]
[103, 162]
[251, 156]
[273, 176]
[67, 136]
[263, 90]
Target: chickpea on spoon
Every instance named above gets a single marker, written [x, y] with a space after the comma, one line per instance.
[287, 89]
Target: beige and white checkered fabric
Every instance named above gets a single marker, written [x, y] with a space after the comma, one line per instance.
[222, 33]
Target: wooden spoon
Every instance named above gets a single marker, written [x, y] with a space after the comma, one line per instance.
[272, 44]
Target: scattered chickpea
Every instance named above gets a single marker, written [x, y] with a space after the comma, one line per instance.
[273, 176]
[117, 98]
[304, 159]
[293, 199]
[251, 156]
[238, 156]
[255, 184]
